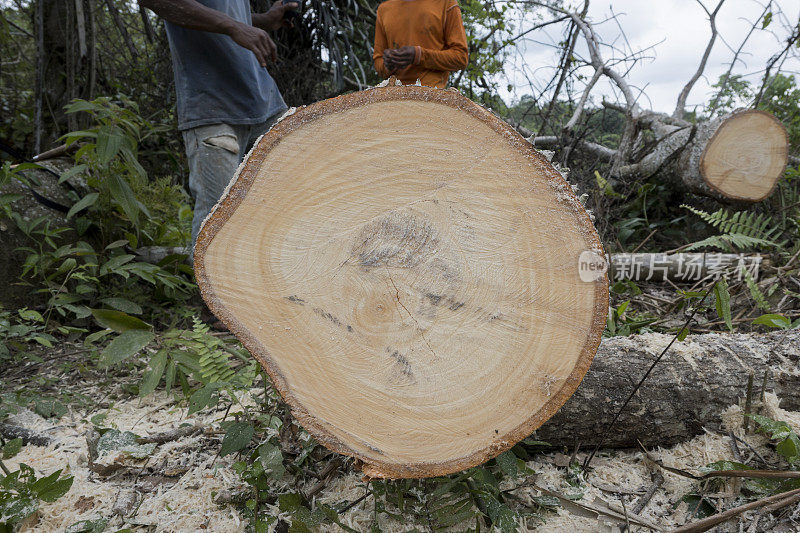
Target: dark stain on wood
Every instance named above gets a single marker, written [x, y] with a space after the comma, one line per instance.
[296, 299]
[449, 301]
[402, 362]
[327, 316]
[399, 239]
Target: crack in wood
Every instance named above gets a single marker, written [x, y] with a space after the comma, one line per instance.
[419, 328]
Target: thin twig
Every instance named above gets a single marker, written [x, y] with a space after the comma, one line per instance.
[680, 107]
[608, 428]
[658, 480]
[774, 502]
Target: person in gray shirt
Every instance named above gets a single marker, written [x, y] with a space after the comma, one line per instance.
[226, 99]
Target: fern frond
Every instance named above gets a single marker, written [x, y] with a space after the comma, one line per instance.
[215, 366]
[730, 243]
[755, 292]
[739, 230]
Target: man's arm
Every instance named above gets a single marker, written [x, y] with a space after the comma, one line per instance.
[455, 55]
[195, 16]
[275, 18]
[380, 46]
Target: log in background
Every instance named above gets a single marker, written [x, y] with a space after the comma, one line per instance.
[688, 390]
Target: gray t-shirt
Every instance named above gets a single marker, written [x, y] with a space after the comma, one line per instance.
[216, 80]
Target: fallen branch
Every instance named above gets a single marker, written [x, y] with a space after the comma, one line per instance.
[658, 480]
[598, 507]
[774, 502]
[171, 435]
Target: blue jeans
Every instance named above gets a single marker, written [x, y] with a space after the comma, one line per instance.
[215, 152]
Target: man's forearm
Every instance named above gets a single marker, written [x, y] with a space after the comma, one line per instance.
[265, 21]
[191, 14]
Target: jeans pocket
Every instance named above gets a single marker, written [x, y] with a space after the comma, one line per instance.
[226, 141]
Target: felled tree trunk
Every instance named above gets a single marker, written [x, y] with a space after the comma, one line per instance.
[738, 157]
[45, 197]
[692, 385]
[407, 268]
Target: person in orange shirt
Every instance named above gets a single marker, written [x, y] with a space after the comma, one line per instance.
[420, 40]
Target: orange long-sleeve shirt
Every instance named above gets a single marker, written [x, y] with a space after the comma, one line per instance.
[433, 27]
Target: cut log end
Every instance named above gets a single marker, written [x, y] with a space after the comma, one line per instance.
[746, 156]
[406, 268]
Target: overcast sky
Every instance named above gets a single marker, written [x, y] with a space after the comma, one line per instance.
[680, 31]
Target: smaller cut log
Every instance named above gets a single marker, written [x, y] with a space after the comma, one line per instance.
[688, 390]
[746, 156]
[735, 158]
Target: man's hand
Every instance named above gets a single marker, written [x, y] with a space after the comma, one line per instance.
[276, 17]
[395, 59]
[256, 40]
[196, 16]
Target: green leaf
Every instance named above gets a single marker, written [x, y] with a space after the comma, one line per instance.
[51, 488]
[16, 510]
[789, 448]
[501, 516]
[87, 526]
[699, 506]
[272, 460]
[777, 430]
[766, 20]
[485, 479]
[682, 334]
[49, 408]
[169, 378]
[125, 442]
[723, 302]
[507, 462]
[97, 335]
[30, 314]
[115, 262]
[74, 171]
[109, 142]
[122, 193]
[83, 203]
[12, 448]
[124, 305]
[118, 321]
[773, 320]
[237, 437]
[201, 398]
[152, 378]
[127, 344]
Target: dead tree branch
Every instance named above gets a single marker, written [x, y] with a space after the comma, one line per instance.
[680, 107]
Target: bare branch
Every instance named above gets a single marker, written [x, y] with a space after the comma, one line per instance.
[767, 82]
[551, 141]
[576, 116]
[680, 107]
